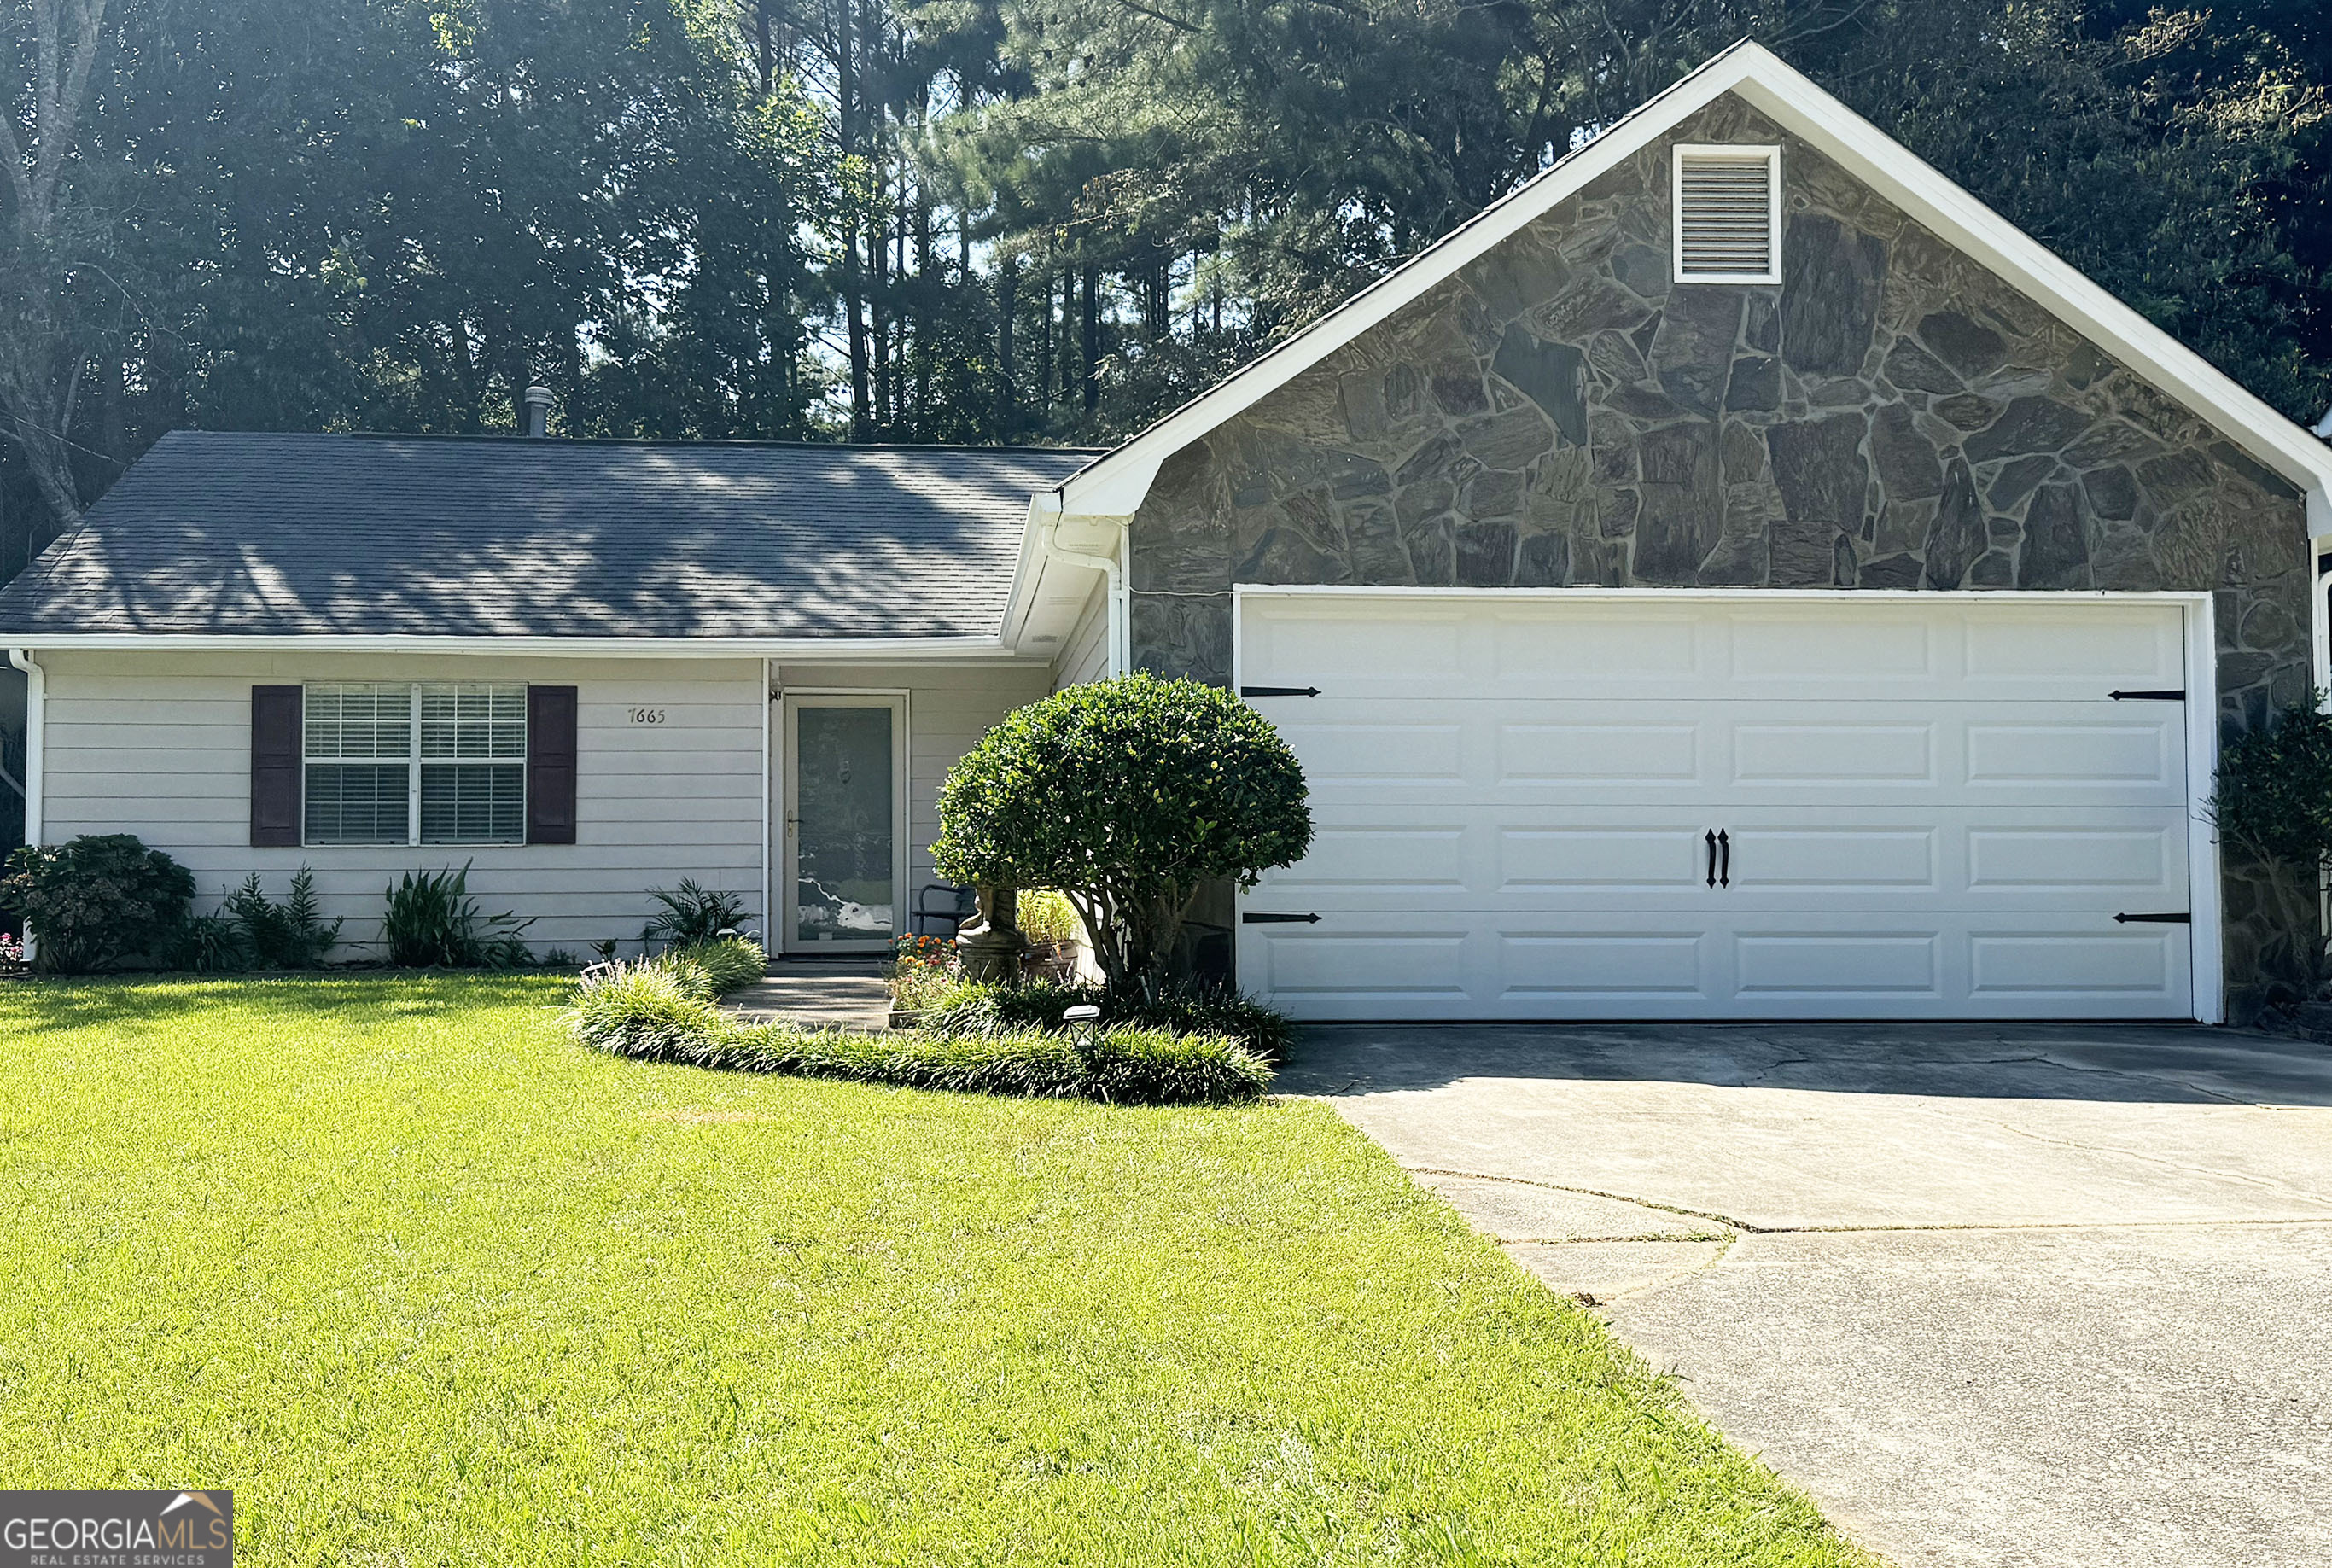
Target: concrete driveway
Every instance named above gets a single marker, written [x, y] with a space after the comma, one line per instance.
[1993, 1295]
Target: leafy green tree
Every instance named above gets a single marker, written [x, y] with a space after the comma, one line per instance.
[1129, 796]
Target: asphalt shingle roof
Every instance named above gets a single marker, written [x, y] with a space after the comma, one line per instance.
[215, 532]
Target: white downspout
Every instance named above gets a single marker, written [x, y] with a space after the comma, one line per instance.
[36, 691]
[1116, 606]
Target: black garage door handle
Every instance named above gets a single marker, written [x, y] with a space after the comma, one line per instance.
[1268, 919]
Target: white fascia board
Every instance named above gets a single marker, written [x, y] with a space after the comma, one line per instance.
[833, 650]
[1115, 485]
[1028, 568]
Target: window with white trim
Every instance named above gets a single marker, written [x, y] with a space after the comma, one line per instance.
[1728, 214]
[414, 762]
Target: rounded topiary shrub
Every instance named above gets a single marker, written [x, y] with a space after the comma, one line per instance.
[101, 902]
[1128, 796]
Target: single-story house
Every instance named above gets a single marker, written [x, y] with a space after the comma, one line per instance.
[1738, 575]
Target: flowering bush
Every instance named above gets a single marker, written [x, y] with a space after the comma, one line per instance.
[923, 971]
[922, 950]
[11, 949]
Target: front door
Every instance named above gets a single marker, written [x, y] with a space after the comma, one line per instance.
[845, 811]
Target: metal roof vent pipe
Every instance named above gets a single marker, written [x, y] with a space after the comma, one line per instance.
[538, 411]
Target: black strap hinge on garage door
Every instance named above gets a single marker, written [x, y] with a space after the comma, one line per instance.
[1279, 690]
[2180, 918]
[2162, 696]
[1254, 919]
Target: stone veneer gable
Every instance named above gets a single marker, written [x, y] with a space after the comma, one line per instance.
[1560, 413]
[1891, 416]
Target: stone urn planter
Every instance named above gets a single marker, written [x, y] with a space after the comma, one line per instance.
[992, 947]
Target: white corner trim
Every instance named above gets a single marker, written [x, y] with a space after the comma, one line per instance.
[36, 695]
[36, 691]
[2206, 884]
[1115, 485]
[769, 699]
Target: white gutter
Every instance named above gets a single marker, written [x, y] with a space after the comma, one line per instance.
[36, 694]
[847, 650]
[1044, 517]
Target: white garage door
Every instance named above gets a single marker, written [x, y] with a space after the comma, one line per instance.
[1871, 806]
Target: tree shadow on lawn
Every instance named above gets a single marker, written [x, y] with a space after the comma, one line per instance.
[56, 1004]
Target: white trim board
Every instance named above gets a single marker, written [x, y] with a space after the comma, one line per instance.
[791, 650]
[2205, 884]
[1115, 485]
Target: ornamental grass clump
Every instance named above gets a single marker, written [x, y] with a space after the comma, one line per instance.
[728, 963]
[649, 1010]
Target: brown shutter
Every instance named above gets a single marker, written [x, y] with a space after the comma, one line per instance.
[275, 766]
[550, 764]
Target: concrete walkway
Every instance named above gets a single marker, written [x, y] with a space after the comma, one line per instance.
[825, 993]
[2023, 1294]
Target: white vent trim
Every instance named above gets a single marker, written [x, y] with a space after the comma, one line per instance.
[1730, 231]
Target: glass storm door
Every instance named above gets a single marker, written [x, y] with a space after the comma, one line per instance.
[844, 814]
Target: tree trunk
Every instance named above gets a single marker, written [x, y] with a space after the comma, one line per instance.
[854, 283]
[878, 246]
[1008, 300]
[1045, 344]
[1092, 325]
[42, 355]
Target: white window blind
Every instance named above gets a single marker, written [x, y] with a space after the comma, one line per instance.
[472, 764]
[406, 763]
[1728, 214]
[358, 754]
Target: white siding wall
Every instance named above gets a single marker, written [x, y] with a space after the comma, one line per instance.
[158, 745]
[1085, 655]
[948, 708]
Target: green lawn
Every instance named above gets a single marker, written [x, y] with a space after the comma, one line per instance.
[427, 1282]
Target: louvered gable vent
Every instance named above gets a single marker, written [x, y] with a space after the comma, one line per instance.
[1728, 216]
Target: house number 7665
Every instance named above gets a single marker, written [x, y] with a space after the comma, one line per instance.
[647, 715]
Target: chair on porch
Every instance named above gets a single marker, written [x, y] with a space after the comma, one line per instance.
[937, 903]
